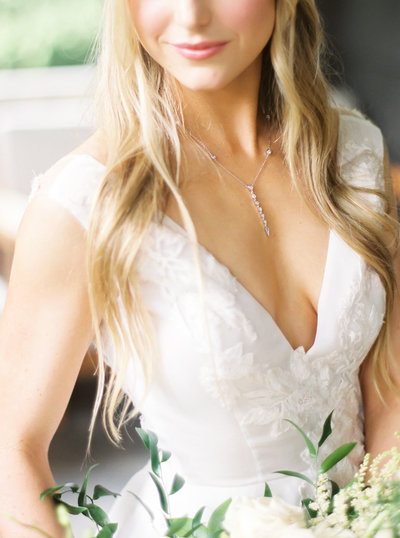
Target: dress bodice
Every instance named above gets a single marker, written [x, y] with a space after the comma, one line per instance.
[222, 389]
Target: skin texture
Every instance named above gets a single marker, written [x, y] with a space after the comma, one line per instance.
[246, 26]
[284, 272]
[46, 326]
[45, 330]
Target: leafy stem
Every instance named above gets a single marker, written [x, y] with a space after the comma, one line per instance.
[85, 503]
[182, 526]
[328, 463]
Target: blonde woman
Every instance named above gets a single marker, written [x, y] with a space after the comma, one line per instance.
[226, 236]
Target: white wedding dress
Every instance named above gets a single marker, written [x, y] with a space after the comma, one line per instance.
[221, 412]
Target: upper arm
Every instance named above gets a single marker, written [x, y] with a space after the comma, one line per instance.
[45, 328]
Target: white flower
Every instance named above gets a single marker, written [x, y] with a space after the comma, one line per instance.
[323, 530]
[265, 517]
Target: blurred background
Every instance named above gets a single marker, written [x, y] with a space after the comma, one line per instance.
[364, 62]
[46, 84]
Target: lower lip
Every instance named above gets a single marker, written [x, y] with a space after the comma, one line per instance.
[200, 54]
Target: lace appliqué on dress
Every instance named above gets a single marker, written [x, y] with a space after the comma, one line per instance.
[259, 392]
[167, 259]
[363, 167]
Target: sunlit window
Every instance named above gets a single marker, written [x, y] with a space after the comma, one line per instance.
[47, 32]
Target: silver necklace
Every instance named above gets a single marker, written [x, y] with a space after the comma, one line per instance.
[250, 187]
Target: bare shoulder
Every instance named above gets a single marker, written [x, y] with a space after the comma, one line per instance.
[95, 146]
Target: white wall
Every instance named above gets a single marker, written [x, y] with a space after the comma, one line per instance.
[44, 113]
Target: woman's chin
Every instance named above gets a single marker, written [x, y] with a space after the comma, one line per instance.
[204, 84]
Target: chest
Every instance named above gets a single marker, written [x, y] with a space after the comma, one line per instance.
[283, 271]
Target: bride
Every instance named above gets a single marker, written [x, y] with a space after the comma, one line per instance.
[228, 238]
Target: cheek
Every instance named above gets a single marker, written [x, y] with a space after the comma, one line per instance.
[149, 18]
[250, 15]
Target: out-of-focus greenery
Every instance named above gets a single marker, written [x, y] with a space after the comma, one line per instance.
[35, 33]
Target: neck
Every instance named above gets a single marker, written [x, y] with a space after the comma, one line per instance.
[228, 116]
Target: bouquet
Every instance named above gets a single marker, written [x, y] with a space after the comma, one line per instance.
[366, 507]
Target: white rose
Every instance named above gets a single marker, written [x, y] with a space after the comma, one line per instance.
[265, 517]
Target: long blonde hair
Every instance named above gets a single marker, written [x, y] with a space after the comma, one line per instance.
[138, 116]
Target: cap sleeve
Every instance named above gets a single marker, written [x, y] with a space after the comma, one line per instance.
[74, 187]
[361, 154]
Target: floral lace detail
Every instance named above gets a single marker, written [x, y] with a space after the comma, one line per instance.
[305, 389]
[258, 390]
[363, 167]
[167, 258]
[334, 384]
[258, 393]
[308, 388]
[360, 156]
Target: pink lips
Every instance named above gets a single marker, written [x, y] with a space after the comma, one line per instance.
[199, 51]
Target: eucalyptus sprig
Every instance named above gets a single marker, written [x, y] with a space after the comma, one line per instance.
[85, 503]
[182, 526]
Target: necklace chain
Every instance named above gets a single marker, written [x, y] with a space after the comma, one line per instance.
[248, 187]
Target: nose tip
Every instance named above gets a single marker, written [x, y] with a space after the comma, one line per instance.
[194, 13]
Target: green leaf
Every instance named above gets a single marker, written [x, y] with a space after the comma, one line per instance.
[218, 516]
[82, 491]
[161, 492]
[75, 510]
[311, 514]
[153, 439]
[177, 484]
[98, 515]
[49, 491]
[335, 488]
[179, 526]
[336, 456]
[144, 437]
[143, 504]
[326, 430]
[200, 528]
[150, 441]
[198, 516]
[165, 455]
[155, 460]
[108, 531]
[267, 491]
[201, 532]
[310, 446]
[101, 491]
[296, 475]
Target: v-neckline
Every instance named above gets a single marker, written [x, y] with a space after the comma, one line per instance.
[173, 225]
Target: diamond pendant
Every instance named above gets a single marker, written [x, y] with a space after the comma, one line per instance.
[250, 188]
